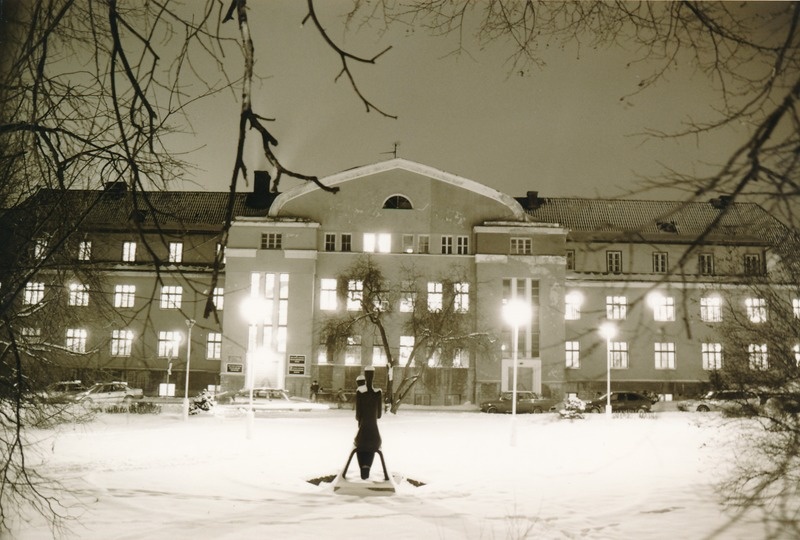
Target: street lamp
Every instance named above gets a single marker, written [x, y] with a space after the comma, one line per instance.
[252, 310]
[516, 313]
[608, 330]
[190, 324]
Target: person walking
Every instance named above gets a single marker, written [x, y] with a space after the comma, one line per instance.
[314, 390]
[369, 407]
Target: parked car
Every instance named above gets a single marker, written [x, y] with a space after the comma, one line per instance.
[731, 401]
[621, 402]
[269, 399]
[111, 393]
[527, 402]
[61, 391]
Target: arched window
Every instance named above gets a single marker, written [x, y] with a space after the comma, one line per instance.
[397, 202]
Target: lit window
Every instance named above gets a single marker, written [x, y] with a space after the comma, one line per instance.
[78, 294]
[330, 242]
[572, 306]
[34, 293]
[121, 342]
[40, 247]
[756, 309]
[665, 355]
[347, 242]
[616, 307]
[447, 245]
[124, 296]
[408, 296]
[435, 296]
[424, 243]
[214, 346]
[76, 339]
[379, 356]
[85, 250]
[521, 246]
[705, 263]
[460, 359]
[355, 293]
[614, 262]
[271, 241]
[218, 298]
[406, 348]
[663, 307]
[618, 354]
[660, 262]
[327, 294]
[352, 352]
[462, 245]
[129, 251]
[711, 309]
[176, 252]
[758, 356]
[573, 352]
[377, 243]
[31, 335]
[171, 296]
[461, 297]
[711, 354]
[168, 344]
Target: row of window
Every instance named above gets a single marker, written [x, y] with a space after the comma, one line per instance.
[171, 296]
[664, 355]
[436, 296]
[752, 265]
[353, 350]
[664, 308]
[409, 243]
[122, 342]
[175, 255]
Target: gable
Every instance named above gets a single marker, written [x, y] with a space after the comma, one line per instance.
[400, 195]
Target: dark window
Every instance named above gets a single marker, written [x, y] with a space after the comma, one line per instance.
[397, 202]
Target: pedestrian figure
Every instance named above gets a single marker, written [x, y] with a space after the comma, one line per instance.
[369, 407]
[314, 390]
[340, 398]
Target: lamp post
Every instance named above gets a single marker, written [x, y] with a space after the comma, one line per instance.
[190, 324]
[608, 331]
[516, 313]
[252, 310]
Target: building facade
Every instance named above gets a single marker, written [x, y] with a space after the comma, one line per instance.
[651, 269]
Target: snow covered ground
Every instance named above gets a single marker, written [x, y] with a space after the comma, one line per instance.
[156, 476]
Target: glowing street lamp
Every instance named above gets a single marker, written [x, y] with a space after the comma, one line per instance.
[608, 330]
[190, 324]
[252, 310]
[516, 313]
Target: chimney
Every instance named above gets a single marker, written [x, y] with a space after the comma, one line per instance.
[260, 197]
[533, 200]
[723, 201]
[116, 189]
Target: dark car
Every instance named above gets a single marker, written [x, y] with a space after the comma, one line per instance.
[527, 402]
[621, 402]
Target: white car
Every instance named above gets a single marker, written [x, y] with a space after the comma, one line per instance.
[269, 399]
[731, 401]
[113, 393]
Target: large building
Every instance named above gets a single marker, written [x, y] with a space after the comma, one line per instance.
[651, 269]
